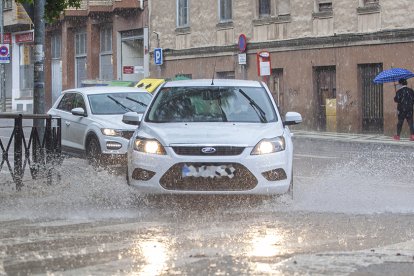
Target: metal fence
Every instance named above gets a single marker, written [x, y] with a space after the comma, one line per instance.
[30, 143]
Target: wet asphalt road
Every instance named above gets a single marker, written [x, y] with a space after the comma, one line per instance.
[352, 214]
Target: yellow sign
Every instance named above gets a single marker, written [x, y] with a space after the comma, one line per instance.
[150, 84]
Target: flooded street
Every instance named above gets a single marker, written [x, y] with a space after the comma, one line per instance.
[352, 213]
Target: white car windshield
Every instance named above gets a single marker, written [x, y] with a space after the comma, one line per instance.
[118, 103]
[212, 104]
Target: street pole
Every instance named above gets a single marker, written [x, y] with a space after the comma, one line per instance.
[2, 77]
[39, 57]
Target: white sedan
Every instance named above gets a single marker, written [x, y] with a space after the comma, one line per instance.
[212, 137]
[92, 121]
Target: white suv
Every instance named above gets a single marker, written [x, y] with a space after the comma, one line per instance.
[92, 121]
[212, 137]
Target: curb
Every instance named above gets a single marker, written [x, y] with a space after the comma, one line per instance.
[352, 138]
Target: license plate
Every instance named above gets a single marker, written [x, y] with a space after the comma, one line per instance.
[208, 171]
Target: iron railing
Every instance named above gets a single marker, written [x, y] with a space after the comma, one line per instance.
[40, 153]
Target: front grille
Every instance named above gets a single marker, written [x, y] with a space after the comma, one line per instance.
[197, 150]
[127, 134]
[242, 180]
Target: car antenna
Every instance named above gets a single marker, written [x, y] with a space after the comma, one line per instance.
[214, 71]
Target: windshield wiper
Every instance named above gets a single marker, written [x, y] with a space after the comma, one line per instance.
[256, 107]
[120, 104]
[136, 101]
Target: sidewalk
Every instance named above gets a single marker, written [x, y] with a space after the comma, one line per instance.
[352, 138]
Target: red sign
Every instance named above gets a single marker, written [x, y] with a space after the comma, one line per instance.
[4, 50]
[242, 43]
[7, 38]
[263, 63]
[24, 37]
[128, 69]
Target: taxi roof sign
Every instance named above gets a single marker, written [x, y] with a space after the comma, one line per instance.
[150, 84]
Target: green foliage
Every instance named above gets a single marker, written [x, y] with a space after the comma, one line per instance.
[54, 8]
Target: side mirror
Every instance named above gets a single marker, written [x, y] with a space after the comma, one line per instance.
[132, 118]
[78, 111]
[292, 118]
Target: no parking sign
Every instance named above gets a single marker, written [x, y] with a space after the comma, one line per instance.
[4, 53]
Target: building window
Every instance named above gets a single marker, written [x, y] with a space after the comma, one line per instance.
[7, 4]
[368, 7]
[371, 2]
[80, 58]
[105, 64]
[264, 8]
[325, 6]
[225, 10]
[80, 41]
[225, 75]
[56, 52]
[182, 13]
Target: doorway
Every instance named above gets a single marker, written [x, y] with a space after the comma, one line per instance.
[372, 98]
[325, 79]
[276, 88]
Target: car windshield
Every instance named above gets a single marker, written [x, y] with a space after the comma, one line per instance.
[212, 104]
[118, 103]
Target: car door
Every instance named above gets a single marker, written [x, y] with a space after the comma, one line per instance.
[62, 110]
[78, 125]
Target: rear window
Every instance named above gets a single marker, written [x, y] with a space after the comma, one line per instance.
[212, 104]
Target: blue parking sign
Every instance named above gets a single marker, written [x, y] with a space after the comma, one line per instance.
[158, 58]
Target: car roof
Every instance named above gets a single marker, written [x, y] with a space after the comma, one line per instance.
[215, 82]
[106, 89]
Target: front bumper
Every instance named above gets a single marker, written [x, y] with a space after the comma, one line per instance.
[114, 150]
[161, 174]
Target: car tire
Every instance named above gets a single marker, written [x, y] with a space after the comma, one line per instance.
[93, 151]
[290, 190]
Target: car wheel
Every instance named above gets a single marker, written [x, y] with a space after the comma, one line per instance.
[290, 190]
[93, 152]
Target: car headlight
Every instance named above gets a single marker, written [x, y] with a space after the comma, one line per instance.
[111, 132]
[151, 146]
[266, 146]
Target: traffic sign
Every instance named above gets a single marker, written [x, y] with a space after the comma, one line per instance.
[158, 58]
[4, 53]
[242, 43]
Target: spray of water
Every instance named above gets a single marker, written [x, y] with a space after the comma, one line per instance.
[360, 184]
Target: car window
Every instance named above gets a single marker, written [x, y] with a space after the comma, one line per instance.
[212, 104]
[78, 101]
[118, 103]
[66, 103]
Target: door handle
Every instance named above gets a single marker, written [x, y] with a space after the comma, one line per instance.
[67, 123]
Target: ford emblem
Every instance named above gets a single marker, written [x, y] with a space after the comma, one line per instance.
[208, 150]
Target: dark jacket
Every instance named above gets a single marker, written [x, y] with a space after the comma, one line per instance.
[405, 99]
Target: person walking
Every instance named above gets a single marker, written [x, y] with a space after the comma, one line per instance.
[405, 101]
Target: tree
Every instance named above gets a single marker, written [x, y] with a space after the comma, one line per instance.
[53, 8]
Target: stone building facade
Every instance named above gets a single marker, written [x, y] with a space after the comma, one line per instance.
[101, 41]
[324, 53]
